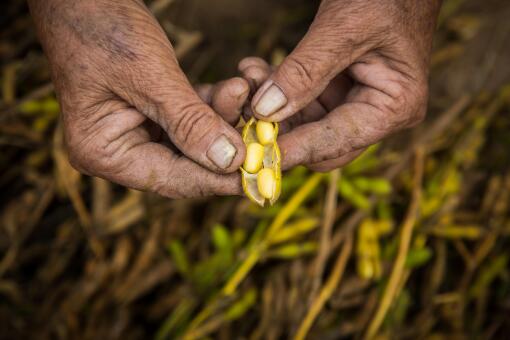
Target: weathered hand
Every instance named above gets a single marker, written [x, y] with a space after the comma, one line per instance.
[119, 83]
[382, 49]
[256, 71]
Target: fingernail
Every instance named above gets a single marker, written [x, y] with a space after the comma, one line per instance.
[222, 152]
[271, 101]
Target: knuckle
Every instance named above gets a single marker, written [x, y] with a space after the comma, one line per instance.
[251, 62]
[328, 143]
[81, 157]
[194, 123]
[77, 151]
[420, 110]
[407, 106]
[299, 71]
[94, 157]
[166, 188]
[177, 184]
[255, 76]
[419, 116]
[76, 159]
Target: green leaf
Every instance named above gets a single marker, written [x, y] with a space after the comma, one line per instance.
[470, 232]
[489, 272]
[294, 179]
[360, 201]
[48, 105]
[380, 186]
[345, 188]
[293, 250]
[352, 194]
[258, 234]
[401, 308]
[176, 320]
[221, 239]
[384, 210]
[418, 257]
[179, 257]
[239, 308]
[238, 237]
[295, 230]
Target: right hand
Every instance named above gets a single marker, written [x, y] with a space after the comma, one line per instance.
[119, 86]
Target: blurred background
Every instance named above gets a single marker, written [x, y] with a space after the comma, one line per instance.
[412, 240]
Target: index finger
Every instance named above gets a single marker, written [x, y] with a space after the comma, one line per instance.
[364, 120]
[121, 151]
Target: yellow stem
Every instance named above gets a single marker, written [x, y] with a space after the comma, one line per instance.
[327, 290]
[405, 239]
[288, 209]
[291, 206]
[243, 270]
[256, 251]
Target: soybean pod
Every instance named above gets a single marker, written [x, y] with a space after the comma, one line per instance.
[261, 173]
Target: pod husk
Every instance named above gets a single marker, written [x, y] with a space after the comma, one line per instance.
[272, 160]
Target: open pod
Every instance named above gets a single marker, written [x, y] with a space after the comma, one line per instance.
[261, 172]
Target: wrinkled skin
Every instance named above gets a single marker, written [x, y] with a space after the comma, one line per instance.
[379, 51]
[130, 115]
[255, 71]
[119, 84]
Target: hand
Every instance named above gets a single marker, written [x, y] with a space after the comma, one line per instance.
[119, 85]
[380, 49]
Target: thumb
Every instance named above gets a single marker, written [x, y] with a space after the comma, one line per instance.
[194, 127]
[201, 133]
[325, 51]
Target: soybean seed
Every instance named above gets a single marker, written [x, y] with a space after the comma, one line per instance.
[254, 157]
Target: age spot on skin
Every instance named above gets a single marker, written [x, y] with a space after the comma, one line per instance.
[100, 30]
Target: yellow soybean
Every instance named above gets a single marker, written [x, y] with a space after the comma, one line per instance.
[254, 157]
[265, 132]
[261, 174]
[266, 182]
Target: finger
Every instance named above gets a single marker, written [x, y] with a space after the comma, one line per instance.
[252, 61]
[123, 153]
[255, 70]
[328, 48]
[368, 116]
[153, 167]
[166, 97]
[334, 95]
[336, 92]
[228, 98]
[311, 113]
[201, 134]
[205, 92]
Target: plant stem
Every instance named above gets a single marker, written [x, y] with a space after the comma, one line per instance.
[405, 240]
[327, 289]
